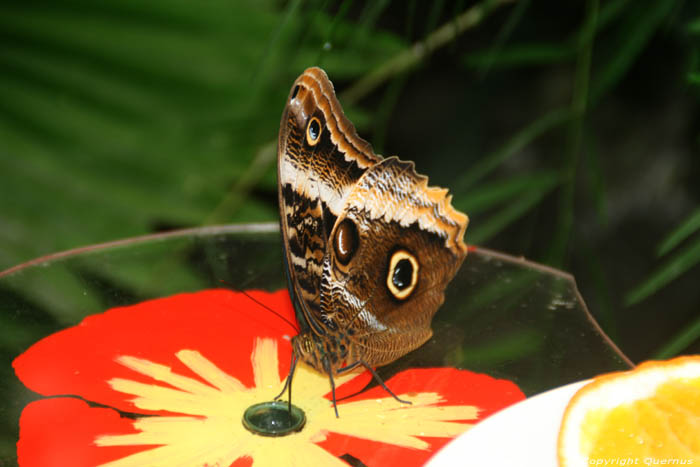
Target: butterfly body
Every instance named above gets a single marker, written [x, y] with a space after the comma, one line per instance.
[369, 246]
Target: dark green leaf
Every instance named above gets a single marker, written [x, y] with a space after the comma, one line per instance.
[510, 148]
[519, 205]
[633, 35]
[671, 269]
[680, 233]
[679, 342]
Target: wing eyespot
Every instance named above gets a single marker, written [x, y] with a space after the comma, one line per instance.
[402, 277]
[313, 131]
[345, 241]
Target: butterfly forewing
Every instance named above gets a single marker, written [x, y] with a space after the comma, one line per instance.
[314, 176]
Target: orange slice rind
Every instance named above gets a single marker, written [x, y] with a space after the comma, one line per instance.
[646, 416]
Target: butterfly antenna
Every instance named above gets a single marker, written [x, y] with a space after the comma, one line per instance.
[289, 322]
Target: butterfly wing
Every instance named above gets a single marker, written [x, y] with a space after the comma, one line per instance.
[320, 158]
[409, 246]
[369, 247]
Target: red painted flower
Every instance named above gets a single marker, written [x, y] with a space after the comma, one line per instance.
[184, 369]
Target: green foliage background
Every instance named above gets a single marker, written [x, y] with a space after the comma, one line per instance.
[568, 131]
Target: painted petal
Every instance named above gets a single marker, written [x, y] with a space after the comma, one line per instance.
[463, 396]
[61, 431]
[221, 325]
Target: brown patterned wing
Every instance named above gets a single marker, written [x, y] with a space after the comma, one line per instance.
[408, 246]
[320, 158]
[369, 247]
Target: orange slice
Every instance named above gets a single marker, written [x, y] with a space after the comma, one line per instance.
[646, 416]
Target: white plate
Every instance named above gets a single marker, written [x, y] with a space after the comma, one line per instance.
[524, 434]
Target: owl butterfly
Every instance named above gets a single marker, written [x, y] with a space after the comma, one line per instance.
[369, 246]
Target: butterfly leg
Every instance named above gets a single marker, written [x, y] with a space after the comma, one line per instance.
[329, 372]
[288, 382]
[381, 382]
[374, 375]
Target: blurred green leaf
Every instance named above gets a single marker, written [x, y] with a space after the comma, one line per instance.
[632, 36]
[671, 269]
[514, 18]
[490, 195]
[18, 334]
[561, 237]
[504, 348]
[540, 53]
[680, 233]
[496, 296]
[524, 195]
[142, 278]
[694, 26]
[61, 291]
[412, 56]
[679, 342]
[596, 179]
[609, 12]
[676, 266]
[346, 51]
[510, 148]
[147, 112]
[507, 216]
[518, 55]
[432, 18]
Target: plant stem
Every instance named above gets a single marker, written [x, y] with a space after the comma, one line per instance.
[414, 55]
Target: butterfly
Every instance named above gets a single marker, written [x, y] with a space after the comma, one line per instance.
[369, 247]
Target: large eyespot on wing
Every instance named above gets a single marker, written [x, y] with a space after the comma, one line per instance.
[402, 275]
[313, 131]
[345, 241]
